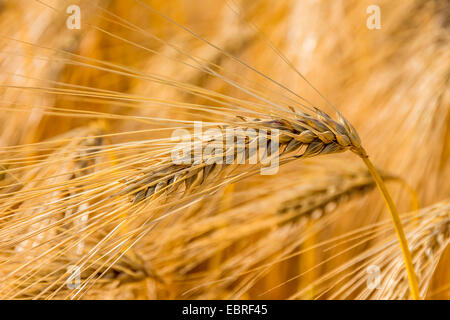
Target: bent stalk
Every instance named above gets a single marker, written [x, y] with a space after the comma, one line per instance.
[412, 278]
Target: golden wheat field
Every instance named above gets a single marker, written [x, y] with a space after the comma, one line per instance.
[224, 149]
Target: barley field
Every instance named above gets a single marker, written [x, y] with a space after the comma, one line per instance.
[224, 149]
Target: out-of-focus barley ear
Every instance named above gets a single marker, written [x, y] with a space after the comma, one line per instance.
[296, 215]
[428, 231]
[428, 242]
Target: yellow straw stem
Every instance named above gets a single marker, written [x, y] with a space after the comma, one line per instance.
[412, 278]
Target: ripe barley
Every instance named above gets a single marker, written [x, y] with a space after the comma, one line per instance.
[302, 137]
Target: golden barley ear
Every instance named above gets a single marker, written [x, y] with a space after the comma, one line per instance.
[302, 137]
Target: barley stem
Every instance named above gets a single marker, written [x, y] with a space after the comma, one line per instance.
[412, 278]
